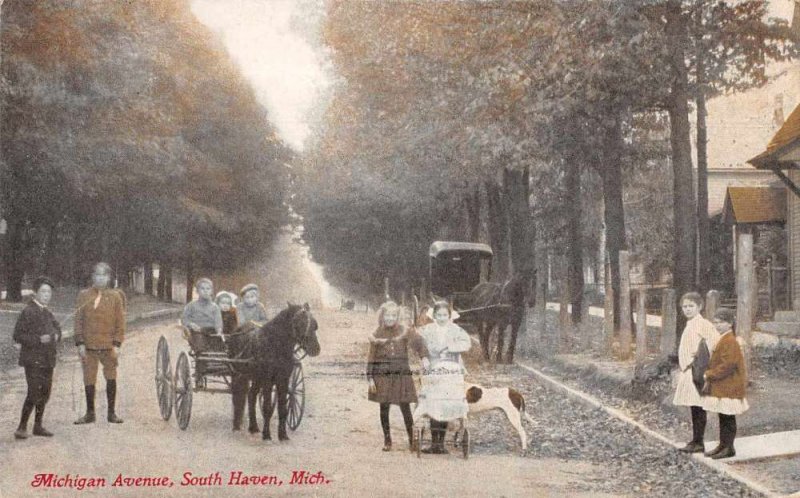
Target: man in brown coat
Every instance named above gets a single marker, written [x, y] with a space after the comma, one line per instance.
[99, 332]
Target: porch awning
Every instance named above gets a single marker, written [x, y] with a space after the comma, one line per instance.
[747, 205]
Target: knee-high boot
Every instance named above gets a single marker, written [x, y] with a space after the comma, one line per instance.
[111, 395]
[89, 417]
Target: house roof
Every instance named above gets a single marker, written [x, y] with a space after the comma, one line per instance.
[787, 137]
[755, 205]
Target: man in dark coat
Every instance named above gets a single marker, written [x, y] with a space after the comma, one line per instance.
[38, 332]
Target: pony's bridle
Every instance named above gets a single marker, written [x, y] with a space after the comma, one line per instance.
[299, 350]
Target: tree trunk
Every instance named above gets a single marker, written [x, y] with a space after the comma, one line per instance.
[13, 255]
[148, 278]
[575, 238]
[703, 224]
[614, 209]
[473, 205]
[123, 276]
[168, 282]
[79, 276]
[498, 231]
[160, 283]
[189, 275]
[53, 263]
[521, 236]
[684, 210]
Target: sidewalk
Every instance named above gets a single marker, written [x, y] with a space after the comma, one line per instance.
[769, 430]
[140, 307]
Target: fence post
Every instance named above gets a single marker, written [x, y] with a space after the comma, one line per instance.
[770, 288]
[744, 291]
[712, 304]
[641, 327]
[608, 310]
[624, 306]
[669, 320]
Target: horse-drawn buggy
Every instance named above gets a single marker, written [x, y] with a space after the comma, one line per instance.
[265, 359]
[459, 273]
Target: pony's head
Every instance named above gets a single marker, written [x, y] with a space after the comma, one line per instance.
[304, 328]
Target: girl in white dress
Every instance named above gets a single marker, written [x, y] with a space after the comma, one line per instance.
[686, 393]
[442, 397]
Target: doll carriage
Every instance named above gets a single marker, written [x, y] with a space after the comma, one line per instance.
[442, 398]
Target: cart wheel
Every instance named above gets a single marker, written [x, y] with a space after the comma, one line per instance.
[182, 387]
[297, 397]
[163, 379]
[465, 443]
[420, 433]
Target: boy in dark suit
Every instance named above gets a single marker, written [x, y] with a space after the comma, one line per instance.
[38, 332]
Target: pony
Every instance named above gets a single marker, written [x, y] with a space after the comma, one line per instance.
[270, 349]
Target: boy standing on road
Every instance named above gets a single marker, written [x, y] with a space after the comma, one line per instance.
[99, 332]
[38, 331]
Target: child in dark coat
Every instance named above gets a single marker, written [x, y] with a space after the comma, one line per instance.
[38, 332]
[388, 371]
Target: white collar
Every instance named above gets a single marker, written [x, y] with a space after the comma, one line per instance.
[39, 304]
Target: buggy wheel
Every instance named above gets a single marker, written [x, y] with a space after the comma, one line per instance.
[182, 387]
[465, 443]
[297, 397]
[163, 379]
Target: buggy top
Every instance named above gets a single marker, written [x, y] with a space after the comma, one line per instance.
[455, 267]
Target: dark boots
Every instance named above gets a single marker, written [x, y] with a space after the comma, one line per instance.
[89, 418]
[111, 395]
[387, 433]
[438, 431]
[38, 429]
[22, 429]
[699, 418]
[727, 434]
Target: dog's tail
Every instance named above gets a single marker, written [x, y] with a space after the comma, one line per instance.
[519, 402]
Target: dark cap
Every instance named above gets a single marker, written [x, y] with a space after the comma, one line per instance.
[725, 315]
[40, 281]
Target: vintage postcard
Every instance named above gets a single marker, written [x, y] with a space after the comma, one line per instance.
[399, 248]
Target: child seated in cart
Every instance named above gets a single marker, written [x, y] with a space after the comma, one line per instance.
[230, 317]
[202, 317]
[250, 309]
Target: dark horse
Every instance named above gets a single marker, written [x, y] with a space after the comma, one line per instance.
[270, 350]
[512, 293]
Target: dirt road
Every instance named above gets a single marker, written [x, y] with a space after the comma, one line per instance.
[339, 435]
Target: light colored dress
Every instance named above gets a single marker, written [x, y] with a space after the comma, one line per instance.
[697, 328]
[442, 396]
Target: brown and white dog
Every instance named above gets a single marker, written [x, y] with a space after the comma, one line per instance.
[481, 399]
